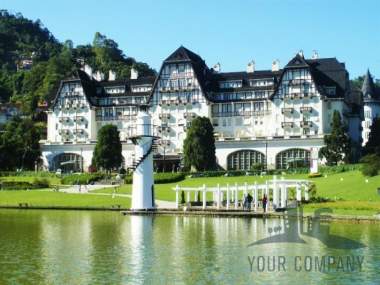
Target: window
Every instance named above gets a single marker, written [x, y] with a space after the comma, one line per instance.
[231, 84]
[244, 159]
[293, 158]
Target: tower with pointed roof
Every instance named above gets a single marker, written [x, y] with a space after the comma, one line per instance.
[371, 104]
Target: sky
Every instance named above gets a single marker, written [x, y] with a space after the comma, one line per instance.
[229, 32]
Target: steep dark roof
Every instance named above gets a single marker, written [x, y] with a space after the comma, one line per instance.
[369, 89]
[182, 54]
[90, 86]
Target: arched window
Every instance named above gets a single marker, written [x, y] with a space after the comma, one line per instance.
[244, 159]
[68, 162]
[293, 158]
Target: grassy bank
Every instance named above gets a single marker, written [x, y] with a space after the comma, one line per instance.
[351, 193]
[55, 199]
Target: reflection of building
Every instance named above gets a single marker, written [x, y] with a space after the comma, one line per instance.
[260, 116]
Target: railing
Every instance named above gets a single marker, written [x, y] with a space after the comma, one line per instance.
[287, 124]
[306, 124]
[306, 109]
[287, 110]
[140, 130]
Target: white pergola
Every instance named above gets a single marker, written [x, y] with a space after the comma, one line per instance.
[275, 188]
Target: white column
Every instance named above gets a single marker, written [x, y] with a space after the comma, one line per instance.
[283, 194]
[245, 188]
[188, 197]
[236, 196]
[256, 197]
[298, 193]
[306, 193]
[177, 196]
[195, 196]
[204, 197]
[218, 198]
[228, 196]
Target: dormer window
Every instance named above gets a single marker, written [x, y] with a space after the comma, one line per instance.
[261, 82]
[115, 90]
[141, 88]
[331, 90]
[231, 84]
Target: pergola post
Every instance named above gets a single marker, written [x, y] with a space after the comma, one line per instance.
[218, 198]
[177, 196]
[306, 193]
[204, 196]
[236, 196]
[188, 197]
[228, 196]
[298, 193]
[256, 197]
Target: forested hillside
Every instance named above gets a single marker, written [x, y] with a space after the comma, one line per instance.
[23, 40]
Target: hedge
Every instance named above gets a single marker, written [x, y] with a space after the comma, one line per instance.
[24, 185]
[27, 173]
[162, 177]
[83, 178]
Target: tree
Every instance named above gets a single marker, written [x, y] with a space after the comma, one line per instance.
[199, 145]
[371, 165]
[373, 144]
[107, 152]
[19, 145]
[337, 143]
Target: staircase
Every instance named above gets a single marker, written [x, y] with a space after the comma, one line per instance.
[153, 147]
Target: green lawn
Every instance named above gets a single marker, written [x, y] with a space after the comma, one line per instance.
[47, 198]
[353, 193]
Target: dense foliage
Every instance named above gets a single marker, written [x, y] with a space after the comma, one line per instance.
[21, 39]
[337, 143]
[19, 145]
[199, 145]
[107, 152]
[373, 144]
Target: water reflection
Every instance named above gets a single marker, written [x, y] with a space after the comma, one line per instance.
[57, 247]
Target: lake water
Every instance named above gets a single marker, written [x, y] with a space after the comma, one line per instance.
[82, 247]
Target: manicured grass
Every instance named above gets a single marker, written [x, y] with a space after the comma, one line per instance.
[354, 193]
[52, 199]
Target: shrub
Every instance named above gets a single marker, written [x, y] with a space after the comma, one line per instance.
[339, 168]
[314, 175]
[84, 178]
[257, 167]
[24, 185]
[168, 177]
[371, 165]
[161, 178]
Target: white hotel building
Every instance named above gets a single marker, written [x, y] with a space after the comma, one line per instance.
[268, 116]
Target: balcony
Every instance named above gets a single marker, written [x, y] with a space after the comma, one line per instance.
[164, 143]
[287, 124]
[64, 132]
[78, 132]
[306, 110]
[79, 119]
[164, 116]
[163, 129]
[189, 115]
[287, 110]
[306, 124]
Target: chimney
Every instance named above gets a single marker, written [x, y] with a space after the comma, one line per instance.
[276, 65]
[216, 67]
[315, 55]
[251, 67]
[98, 76]
[111, 75]
[88, 70]
[134, 73]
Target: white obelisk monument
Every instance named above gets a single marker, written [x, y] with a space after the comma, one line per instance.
[143, 183]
